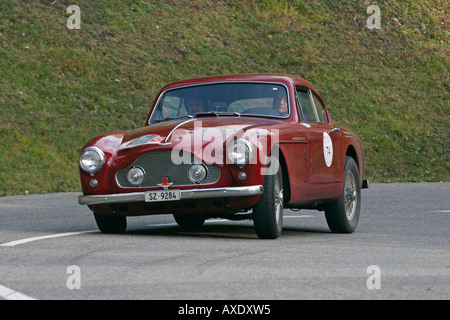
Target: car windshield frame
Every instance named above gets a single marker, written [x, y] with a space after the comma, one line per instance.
[269, 92]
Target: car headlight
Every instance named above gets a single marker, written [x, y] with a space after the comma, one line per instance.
[240, 152]
[197, 173]
[92, 160]
[136, 176]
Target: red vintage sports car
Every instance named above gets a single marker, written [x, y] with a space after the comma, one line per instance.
[235, 147]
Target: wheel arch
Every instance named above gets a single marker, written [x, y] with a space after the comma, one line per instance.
[352, 152]
[284, 172]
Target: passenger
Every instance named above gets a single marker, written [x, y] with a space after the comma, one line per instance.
[194, 106]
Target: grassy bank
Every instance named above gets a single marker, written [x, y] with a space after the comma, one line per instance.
[60, 87]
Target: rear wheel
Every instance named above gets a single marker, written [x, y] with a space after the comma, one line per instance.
[342, 215]
[111, 224]
[268, 212]
[189, 220]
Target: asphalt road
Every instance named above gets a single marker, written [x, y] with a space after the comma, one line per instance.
[50, 249]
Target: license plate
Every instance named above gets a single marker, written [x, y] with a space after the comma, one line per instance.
[162, 195]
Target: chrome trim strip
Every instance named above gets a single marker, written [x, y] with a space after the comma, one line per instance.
[185, 195]
[176, 127]
[222, 192]
[112, 198]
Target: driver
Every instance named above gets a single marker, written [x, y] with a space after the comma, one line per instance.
[280, 104]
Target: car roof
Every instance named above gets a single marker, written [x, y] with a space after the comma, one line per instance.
[248, 77]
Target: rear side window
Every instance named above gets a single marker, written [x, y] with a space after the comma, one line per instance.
[306, 106]
[310, 106]
[320, 109]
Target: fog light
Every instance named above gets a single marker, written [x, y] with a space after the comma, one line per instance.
[136, 176]
[197, 173]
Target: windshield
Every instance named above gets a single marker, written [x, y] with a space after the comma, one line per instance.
[245, 99]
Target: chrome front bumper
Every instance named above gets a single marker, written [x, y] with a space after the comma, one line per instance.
[185, 195]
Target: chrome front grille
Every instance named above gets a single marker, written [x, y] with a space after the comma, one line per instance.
[159, 164]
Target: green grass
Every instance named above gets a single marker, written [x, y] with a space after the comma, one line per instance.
[59, 88]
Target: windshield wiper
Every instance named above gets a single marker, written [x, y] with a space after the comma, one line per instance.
[217, 113]
[172, 118]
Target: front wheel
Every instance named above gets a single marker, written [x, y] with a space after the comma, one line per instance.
[268, 212]
[342, 215]
[111, 224]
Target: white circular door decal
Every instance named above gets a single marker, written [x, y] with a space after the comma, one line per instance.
[327, 149]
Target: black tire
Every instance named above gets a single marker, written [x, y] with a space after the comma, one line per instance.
[111, 224]
[268, 212]
[189, 220]
[342, 215]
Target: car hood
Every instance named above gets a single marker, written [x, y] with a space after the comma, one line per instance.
[197, 134]
[172, 130]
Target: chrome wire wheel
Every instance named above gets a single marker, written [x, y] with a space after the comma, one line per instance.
[268, 211]
[350, 196]
[343, 214]
[278, 201]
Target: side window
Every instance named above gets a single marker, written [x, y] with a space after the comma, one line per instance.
[319, 108]
[306, 107]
